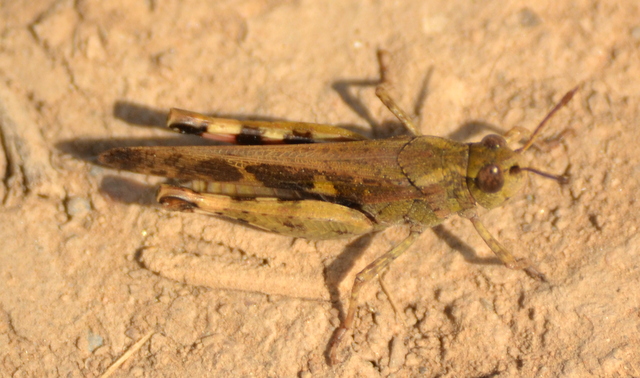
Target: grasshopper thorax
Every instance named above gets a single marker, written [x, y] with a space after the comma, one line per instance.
[494, 171]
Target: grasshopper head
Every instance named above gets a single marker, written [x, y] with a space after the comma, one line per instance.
[494, 173]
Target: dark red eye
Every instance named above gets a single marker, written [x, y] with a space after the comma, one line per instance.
[493, 141]
[490, 179]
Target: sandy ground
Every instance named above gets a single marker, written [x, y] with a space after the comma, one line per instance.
[90, 265]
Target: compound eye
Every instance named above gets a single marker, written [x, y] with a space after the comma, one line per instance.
[493, 141]
[490, 178]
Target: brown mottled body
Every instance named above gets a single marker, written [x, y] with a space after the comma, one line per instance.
[332, 190]
[372, 177]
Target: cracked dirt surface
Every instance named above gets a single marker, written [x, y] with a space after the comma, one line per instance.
[89, 265]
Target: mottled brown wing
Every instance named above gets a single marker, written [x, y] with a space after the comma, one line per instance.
[353, 172]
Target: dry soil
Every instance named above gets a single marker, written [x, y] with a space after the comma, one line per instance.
[91, 267]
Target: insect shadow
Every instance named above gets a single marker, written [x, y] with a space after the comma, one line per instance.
[128, 191]
[339, 268]
[467, 252]
[136, 115]
[142, 115]
[387, 129]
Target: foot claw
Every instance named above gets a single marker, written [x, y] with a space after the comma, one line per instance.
[529, 268]
[335, 343]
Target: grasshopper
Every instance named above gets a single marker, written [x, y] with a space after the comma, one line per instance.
[344, 187]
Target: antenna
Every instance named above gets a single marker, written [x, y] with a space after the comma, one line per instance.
[564, 101]
[560, 179]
